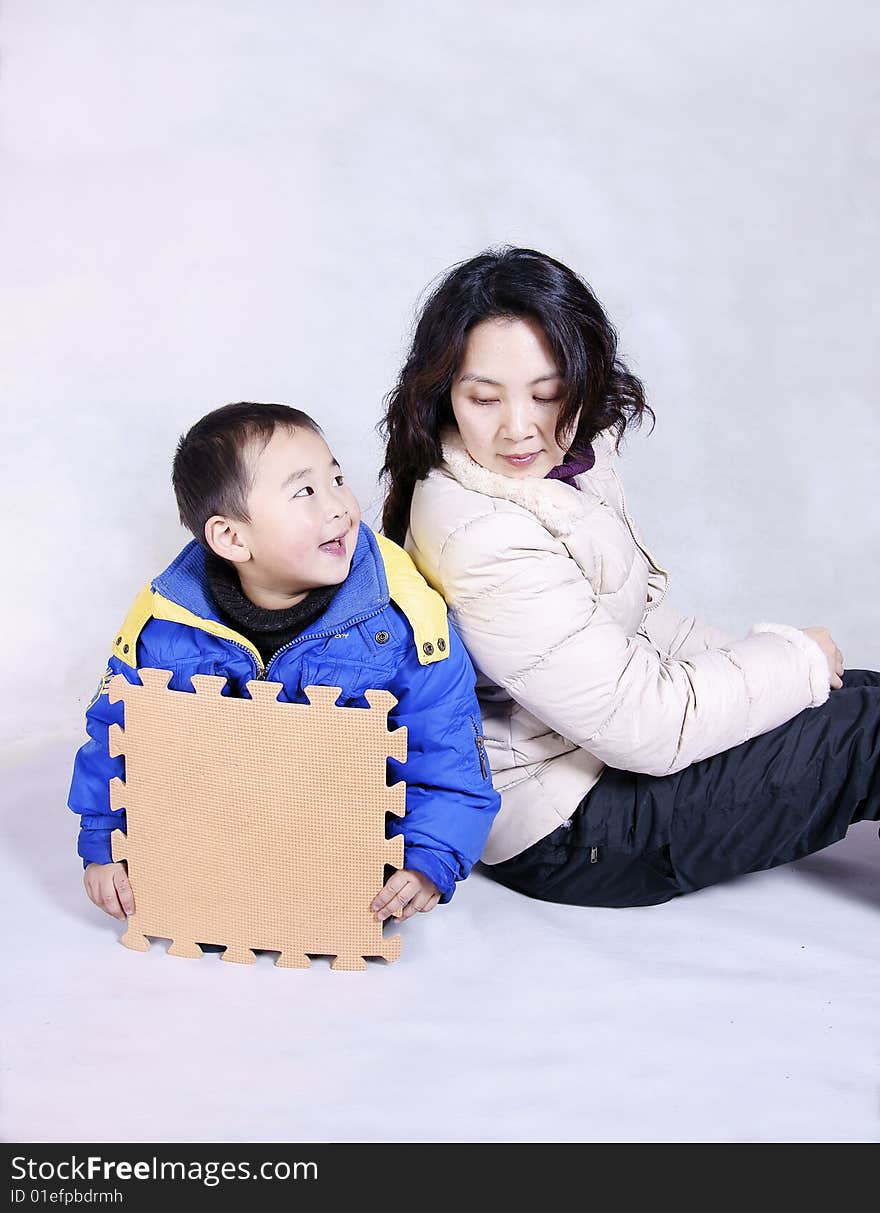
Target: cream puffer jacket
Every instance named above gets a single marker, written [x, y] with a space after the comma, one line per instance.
[580, 662]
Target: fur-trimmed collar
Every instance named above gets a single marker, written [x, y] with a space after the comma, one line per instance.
[554, 504]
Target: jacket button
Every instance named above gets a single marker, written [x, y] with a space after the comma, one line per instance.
[427, 648]
[119, 640]
[441, 645]
[125, 648]
[382, 638]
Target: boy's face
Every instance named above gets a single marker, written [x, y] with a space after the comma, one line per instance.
[303, 520]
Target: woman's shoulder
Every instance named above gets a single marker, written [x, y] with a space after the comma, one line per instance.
[441, 506]
[470, 551]
[441, 486]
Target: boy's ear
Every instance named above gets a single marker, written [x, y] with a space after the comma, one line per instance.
[225, 539]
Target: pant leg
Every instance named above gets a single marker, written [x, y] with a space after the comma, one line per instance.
[861, 678]
[641, 839]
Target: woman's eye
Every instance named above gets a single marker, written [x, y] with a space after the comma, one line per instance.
[305, 491]
[477, 400]
[339, 480]
[546, 399]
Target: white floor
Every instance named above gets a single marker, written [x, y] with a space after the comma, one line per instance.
[749, 1012]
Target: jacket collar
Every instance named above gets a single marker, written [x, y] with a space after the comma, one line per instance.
[364, 591]
[553, 503]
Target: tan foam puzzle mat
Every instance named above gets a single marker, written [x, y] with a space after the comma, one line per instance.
[254, 823]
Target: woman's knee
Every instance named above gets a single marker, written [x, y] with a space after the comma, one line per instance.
[861, 678]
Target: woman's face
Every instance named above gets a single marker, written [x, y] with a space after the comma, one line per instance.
[506, 398]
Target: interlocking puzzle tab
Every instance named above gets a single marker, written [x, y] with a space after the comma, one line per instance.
[254, 823]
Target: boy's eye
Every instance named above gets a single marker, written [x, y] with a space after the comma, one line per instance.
[305, 491]
[340, 479]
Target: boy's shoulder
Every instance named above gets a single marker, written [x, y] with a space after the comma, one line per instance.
[382, 573]
[179, 594]
[423, 608]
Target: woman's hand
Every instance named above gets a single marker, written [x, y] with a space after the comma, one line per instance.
[833, 655]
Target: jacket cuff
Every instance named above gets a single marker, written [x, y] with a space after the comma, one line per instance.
[420, 859]
[820, 678]
[94, 846]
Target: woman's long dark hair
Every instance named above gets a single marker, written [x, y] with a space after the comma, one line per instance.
[502, 283]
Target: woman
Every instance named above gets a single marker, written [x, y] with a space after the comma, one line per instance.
[639, 754]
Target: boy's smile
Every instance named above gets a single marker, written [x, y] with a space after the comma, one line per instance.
[334, 547]
[302, 526]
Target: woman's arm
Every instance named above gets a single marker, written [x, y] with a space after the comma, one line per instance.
[534, 624]
[681, 636]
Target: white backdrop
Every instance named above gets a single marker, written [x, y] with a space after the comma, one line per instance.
[213, 201]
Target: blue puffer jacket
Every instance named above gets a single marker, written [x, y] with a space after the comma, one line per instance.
[384, 629]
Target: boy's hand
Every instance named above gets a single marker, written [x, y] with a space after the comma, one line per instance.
[407, 892]
[107, 886]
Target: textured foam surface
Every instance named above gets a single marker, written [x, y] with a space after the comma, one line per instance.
[253, 823]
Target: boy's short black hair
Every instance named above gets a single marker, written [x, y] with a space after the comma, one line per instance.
[212, 472]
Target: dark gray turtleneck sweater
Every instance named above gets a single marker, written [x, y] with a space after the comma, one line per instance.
[268, 630]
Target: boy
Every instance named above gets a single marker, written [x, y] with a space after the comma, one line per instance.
[282, 582]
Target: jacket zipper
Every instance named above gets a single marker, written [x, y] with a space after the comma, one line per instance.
[262, 671]
[647, 555]
[259, 668]
[480, 742]
[349, 623]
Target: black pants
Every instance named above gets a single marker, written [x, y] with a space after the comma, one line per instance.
[638, 840]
